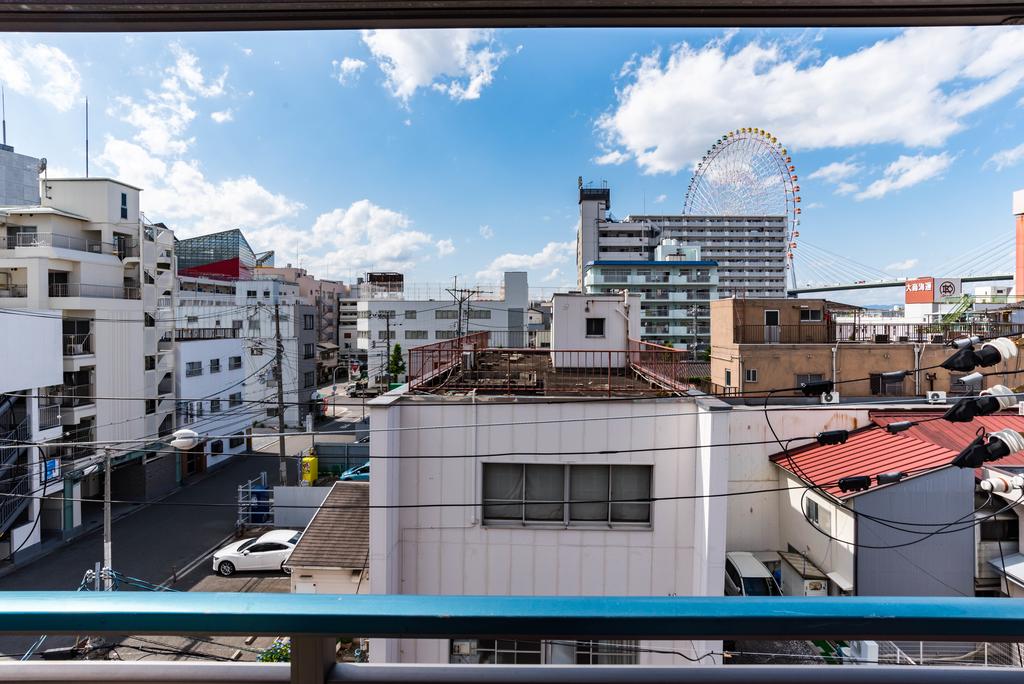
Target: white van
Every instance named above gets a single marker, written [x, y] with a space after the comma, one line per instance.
[747, 576]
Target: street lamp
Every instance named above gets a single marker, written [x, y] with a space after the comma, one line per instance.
[185, 439]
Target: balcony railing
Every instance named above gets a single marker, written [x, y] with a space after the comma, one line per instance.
[186, 334]
[313, 621]
[72, 396]
[49, 416]
[14, 291]
[90, 290]
[880, 333]
[78, 344]
[79, 244]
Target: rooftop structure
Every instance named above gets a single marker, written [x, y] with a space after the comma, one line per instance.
[226, 254]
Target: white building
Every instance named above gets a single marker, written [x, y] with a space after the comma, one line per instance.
[248, 306]
[750, 250]
[211, 382]
[592, 330]
[417, 322]
[676, 291]
[518, 536]
[84, 258]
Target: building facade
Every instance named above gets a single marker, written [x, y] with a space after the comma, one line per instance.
[85, 258]
[211, 386]
[750, 250]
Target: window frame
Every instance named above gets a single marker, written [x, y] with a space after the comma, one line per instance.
[750, 375]
[593, 320]
[567, 504]
[811, 319]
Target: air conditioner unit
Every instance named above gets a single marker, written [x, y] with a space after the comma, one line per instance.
[830, 397]
[936, 397]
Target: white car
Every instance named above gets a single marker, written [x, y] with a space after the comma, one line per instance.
[266, 552]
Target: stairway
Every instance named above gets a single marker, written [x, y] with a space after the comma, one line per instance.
[13, 479]
[962, 307]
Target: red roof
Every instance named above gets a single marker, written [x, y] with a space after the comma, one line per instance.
[871, 450]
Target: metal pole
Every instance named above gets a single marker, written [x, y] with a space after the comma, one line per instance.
[283, 467]
[108, 580]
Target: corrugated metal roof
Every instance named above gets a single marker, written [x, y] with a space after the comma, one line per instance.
[872, 450]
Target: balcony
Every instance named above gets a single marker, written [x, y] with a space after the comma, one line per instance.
[76, 396]
[80, 244]
[78, 345]
[14, 291]
[187, 334]
[49, 416]
[60, 290]
[311, 621]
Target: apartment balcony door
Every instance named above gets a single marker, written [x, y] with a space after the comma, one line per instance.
[771, 326]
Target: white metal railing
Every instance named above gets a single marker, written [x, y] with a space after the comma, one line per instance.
[940, 653]
[78, 344]
[49, 416]
[90, 290]
[79, 244]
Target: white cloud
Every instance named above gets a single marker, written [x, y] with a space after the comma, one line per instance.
[445, 247]
[846, 188]
[904, 265]
[901, 90]
[42, 71]
[555, 274]
[612, 158]
[247, 52]
[367, 236]
[457, 62]
[223, 116]
[132, 163]
[837, 172]
[660, 198]
[348, 70]
[553, 253]
[486, 232]
[1004, 159]
[163, 116]
[906, 172]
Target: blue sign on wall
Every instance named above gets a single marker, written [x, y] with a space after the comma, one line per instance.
[52, 469]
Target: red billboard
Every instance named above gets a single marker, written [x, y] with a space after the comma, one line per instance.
[920, 290]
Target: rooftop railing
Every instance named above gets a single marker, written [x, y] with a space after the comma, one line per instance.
[825, 332]
[313, 622]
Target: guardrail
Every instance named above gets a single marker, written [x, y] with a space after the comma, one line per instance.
[79, 244]
[428, 361]
[14, 291]
[90, 290]
[77, 344]
[314, 621]
[668, 367]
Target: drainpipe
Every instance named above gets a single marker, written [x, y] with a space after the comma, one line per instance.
[917, 370]
[835, 368]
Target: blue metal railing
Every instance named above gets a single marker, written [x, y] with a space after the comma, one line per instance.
[933, 618]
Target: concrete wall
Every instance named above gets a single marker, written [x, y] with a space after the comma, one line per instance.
[31, 346]
[310, 498]
[569, 314]
[451, 551]
[19, 178]
[942, 565]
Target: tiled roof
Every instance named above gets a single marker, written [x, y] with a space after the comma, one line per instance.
[338, 536]
[871, 450]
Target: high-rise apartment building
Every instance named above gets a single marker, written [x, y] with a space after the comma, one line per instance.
[750, 250]
[83, 256]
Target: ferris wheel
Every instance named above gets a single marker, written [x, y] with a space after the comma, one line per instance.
[747, 172]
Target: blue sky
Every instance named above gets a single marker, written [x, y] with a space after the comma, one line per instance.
[457, 152]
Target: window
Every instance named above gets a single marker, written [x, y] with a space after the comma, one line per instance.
[308, 350]
[236, 325]
[235, 399]
[124, 205]
[307, 321]
[446, 314]
[236, 441]
[193, 368]
[266, 294]
[383, 334]
[256, 351]
[251, 294]
[217, 446]
[750, 375]
[444, 335]
[410, 314]
[495, 652]
[309, 378]
[272, 412]
[234, 362]
[197, 410]
[214, 366]
[607, 652]
[191, 319]
[816, 514]
[478, 313]
[215, 406]
[808, 378]
[595, 327]
[254, 324]
[415, 334]
[810, 315]
[150, 363]
[597, 494]
[150, 407]
[882, 387]
[728, 377]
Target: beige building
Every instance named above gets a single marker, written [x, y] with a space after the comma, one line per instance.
[762, 344]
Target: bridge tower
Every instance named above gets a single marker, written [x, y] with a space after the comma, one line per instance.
[1018, 273]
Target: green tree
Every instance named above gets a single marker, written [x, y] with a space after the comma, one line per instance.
[396, 363]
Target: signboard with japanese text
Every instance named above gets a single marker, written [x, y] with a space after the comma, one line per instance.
[920, 290]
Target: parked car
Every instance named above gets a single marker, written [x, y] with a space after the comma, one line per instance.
[359, 473]
[747, 576]
[266, 552]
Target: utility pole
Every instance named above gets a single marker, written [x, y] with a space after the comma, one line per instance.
[461, 297]
[108, 550]
[279, 374]
[387, 357]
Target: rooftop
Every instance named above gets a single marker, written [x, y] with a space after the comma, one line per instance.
[344, 515]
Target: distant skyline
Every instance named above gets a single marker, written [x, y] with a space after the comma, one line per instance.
[456, 152]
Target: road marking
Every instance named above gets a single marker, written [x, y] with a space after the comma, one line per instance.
[195, 563]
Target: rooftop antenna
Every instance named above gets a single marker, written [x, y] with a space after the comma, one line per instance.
[3, 111]
[87, 137]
